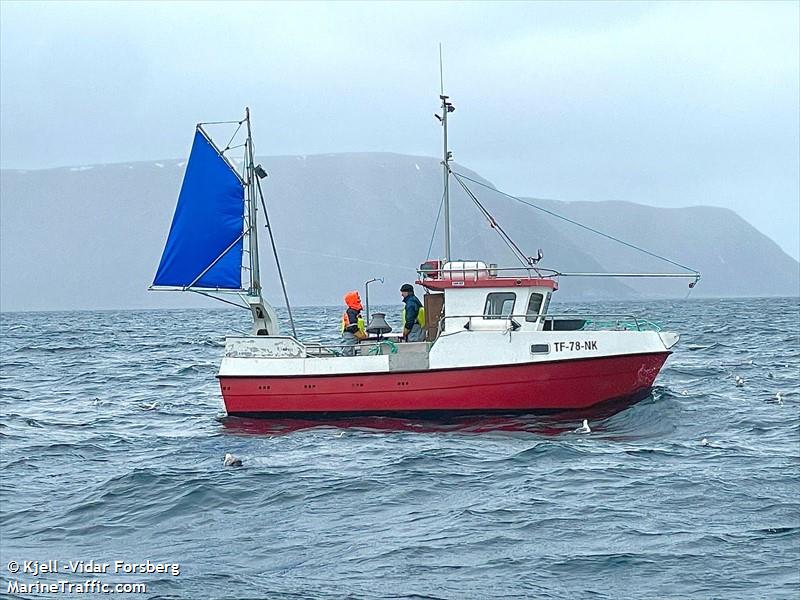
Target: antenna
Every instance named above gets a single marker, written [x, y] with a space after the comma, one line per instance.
[441, 71]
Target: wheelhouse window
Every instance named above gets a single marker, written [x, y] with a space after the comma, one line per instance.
[499, 305]
[547, 298]
[535, 306]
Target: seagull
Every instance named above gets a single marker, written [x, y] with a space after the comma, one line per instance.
[684, 393]
[738, 381]
[584, 428]
[150, 406]
[704, 442]
[232, 461]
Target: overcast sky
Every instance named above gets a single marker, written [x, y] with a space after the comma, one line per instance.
[659, 103]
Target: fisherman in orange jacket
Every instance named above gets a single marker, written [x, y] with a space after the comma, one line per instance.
[352, 324]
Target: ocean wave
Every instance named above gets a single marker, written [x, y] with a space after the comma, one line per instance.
[690, 492]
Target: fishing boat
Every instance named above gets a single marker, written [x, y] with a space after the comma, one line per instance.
[491, 345]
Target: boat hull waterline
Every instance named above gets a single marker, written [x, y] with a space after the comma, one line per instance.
[528, 387]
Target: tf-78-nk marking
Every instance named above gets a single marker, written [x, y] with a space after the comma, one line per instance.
[575, 346]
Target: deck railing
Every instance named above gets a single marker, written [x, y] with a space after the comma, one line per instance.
[593, 322]
[492, 271]
[368, 347]
[482, 272]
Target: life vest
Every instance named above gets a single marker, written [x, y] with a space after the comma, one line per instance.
[346, 323]
[420, 317]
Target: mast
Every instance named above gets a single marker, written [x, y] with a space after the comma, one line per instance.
[446, 175]
[447, 107]
[250, 178]
[265, 321]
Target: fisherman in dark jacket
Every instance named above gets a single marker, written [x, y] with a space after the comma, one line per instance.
[413, 315]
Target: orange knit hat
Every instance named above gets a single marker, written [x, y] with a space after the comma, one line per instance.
[353, 300]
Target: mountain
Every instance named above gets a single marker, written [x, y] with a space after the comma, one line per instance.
[92, 236]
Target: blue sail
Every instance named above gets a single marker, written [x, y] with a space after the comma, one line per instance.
[206, 233]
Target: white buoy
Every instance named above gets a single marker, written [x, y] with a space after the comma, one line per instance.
[232, 461]
[738, 381]
[779, 398]
[584, 428]
[704, 442]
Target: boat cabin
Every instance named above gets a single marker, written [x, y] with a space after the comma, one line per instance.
[476, 296]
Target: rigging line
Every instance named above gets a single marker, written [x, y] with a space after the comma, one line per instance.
[216, 260]
[508, 242]
[211, 143]
[435, 225]
[275, 252]
[503, 239]
[607, 274]
[218, 298]
[495, 225]
[520, 255]
[228, 145]
[511, 247]
[349, 258]
[568, 220]
[221, 122]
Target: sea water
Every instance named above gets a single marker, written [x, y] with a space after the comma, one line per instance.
[112, 438]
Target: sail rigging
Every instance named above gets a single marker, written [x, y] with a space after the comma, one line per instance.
[528, 262]
[213, 239]
[205, 243]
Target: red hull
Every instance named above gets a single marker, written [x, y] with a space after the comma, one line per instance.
[559, 385]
